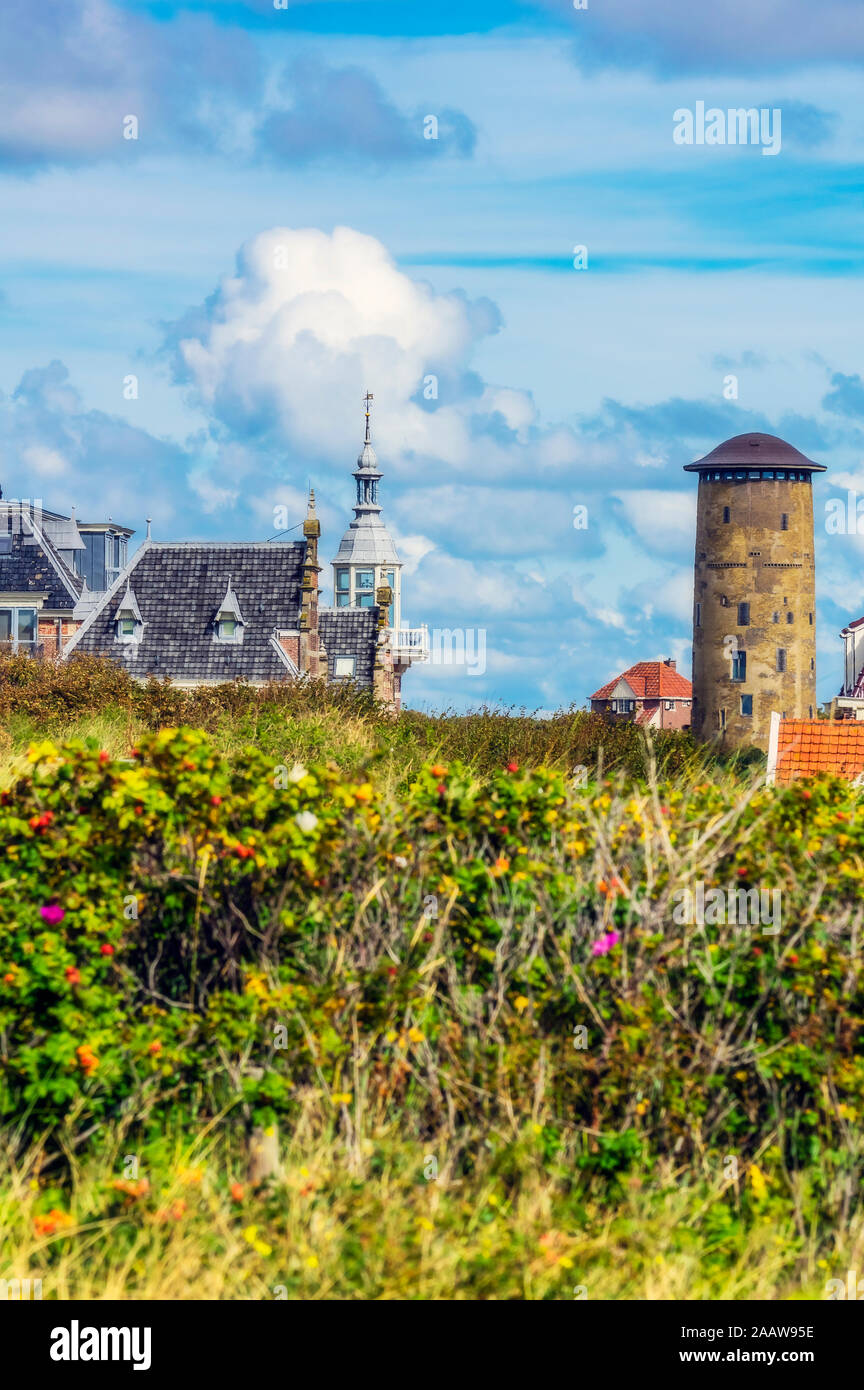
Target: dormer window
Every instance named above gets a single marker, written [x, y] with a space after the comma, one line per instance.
[228, 621]
[128, 624]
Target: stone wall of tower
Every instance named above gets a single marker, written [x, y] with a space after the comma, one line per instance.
[751, 559]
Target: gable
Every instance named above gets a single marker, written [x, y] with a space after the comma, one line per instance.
[32, 565]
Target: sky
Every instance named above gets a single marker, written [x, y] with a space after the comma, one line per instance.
[222, 223]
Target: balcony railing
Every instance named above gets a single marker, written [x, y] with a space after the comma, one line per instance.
[409, 644]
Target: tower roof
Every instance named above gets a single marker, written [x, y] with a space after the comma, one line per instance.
[754, 451]
[367, 540]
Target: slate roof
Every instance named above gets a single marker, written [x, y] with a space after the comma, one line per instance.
[650, 680]
[350, 632]
[807, 747]
[179, 589]
[34, 566]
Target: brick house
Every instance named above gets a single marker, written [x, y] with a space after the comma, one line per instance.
[652, 694]
[53, 570]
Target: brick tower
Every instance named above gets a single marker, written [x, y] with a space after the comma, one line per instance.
[754, 633]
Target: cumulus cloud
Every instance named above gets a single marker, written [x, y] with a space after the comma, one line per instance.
[344, 114]
[676, 36]
[52, 446]
[72, 71]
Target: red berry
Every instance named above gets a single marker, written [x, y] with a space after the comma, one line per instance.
[441, 789]
[73, 975]
[104, 757]
[215, 801]
[512, 767]
[106, 950]
[391, 971]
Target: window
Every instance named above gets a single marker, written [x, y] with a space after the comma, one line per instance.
[811, 711]
[343, 580]
[227, 629]
[743, 614]
[810, 616]
[739, 666]
[747, 706]
[812, 663]
[127, 627]
[364, 579]
[789, 616]
[784, 521]
[724, 602]
[343, 666]
[18, 629]
[781, 659]
[781, 476]
[670, 704]
[726, 514]
[5, 542]
[343, 600]
[366, 600]
[776, 618]
[623, 706]
[721, 718]
[698, 615]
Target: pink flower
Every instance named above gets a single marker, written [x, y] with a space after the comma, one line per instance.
[605, 944]
[52, 913]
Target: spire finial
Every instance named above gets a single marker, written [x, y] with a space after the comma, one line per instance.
[367, 398]
[310, 511]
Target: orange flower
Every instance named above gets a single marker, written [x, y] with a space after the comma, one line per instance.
[237, 1192]
[155, 1047]
[87, 1058]
[52, 1221]
[501, 865]
[438, 770]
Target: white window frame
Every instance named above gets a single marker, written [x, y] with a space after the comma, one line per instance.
[342, 660]
[15, 643]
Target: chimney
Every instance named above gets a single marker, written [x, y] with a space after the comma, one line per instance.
[382, 672]
[670, 662]
[310, 646]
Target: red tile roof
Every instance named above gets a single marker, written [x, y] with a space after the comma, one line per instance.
[650, 680]
[806, 747]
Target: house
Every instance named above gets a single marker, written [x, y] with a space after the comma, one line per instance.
[849, 704]
[204, 612]
[53, 570]
[651, 693]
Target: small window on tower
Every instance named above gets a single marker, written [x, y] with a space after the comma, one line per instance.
[364, 579]
[743, 614]
[721, 717]
[726, 514]
[789, 616]
[810, 616]
[784, 521]
[781, 659]
[698, 615]
[747, 706]
[343, 579]
[812, 663]
[739, 666]
[776, 618]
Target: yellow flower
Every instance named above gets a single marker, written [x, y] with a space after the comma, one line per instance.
[424, 1223]
[758, 1181]
[312, 1261]
[520, 1003]
[342, 1097]
[415, 1035]
[641, 1107]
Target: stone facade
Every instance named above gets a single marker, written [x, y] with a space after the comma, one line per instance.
[754, 622]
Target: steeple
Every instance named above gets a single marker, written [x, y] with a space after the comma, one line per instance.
[367, 557]
[367, 472]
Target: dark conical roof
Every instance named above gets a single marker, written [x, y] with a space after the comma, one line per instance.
[754, 451]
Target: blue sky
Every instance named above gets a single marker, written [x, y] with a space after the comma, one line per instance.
[205, 258]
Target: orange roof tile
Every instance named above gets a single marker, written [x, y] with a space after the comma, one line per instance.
[808, 747]
[650, 680]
